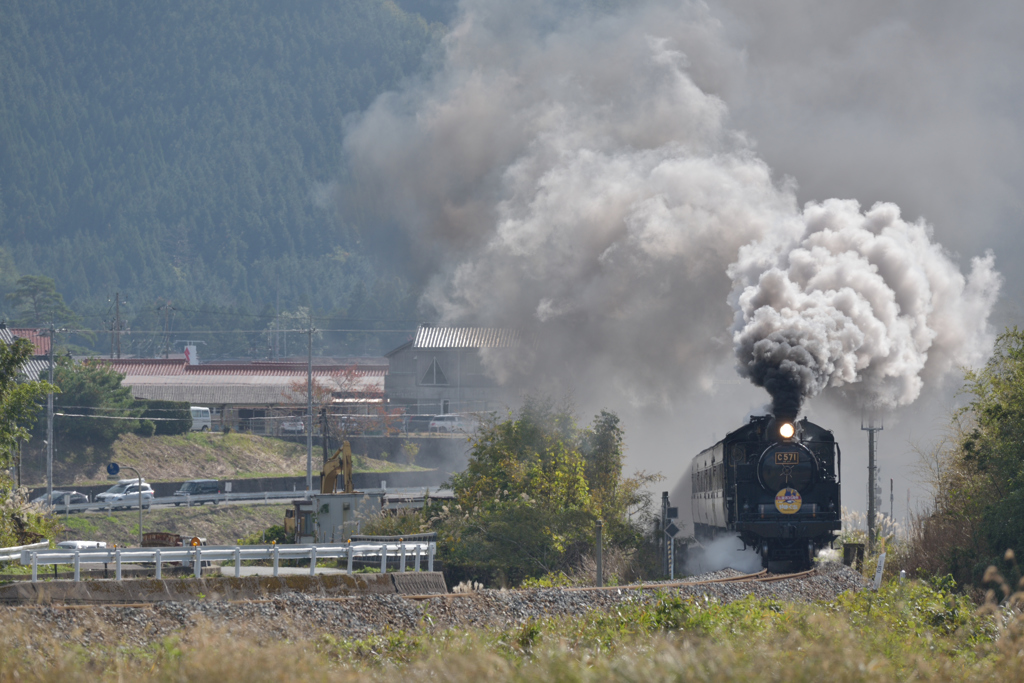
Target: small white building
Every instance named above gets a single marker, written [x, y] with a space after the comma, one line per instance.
[334, 517]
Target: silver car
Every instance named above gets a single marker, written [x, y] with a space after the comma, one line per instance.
[127, 496]
[61, 498]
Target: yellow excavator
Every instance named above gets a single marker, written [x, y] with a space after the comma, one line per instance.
[339, 463]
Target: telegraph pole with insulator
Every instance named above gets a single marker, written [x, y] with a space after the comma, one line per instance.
[872, 431]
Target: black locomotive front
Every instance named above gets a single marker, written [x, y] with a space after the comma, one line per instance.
[773, 482]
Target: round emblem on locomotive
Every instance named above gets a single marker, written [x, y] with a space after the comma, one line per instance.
[788, 501]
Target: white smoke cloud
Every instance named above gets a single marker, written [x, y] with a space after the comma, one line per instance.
[864, 301]
[563, 171]
[726, 552]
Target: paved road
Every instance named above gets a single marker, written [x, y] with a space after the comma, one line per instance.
[229, 570]
[258, 499]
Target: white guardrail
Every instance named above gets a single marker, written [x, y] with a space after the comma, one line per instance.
[14, 552]
[407, 552]
[132, 501]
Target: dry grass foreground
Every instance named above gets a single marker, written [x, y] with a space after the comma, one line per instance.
[218, 524]
[907, 632]
[187, 456]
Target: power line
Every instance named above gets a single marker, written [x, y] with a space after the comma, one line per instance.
[148, 410]
[260, 331]
[262, 316]
[115, 417]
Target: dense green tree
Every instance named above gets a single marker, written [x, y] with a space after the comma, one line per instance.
[8, 278]
[18, 407]
[535, 484]
[38, 303]
[168, 417]
[188, 152]
[18, 398]
[979, 505]
[94, 389]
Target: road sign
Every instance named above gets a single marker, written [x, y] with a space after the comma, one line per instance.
[672, 529]
[113, 468]
[878, 571]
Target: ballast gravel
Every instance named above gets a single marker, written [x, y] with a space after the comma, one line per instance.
[295, 616]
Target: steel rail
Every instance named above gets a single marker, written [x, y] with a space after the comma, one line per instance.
[743, 578]
[670, 584]
[783, 577]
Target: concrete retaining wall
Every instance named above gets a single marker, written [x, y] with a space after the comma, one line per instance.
[219, 588]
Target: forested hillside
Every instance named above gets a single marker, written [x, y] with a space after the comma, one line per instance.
[185, 152]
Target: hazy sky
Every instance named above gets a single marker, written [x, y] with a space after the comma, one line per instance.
[920, 103]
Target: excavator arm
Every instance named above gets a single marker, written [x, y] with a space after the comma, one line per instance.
[339, 463]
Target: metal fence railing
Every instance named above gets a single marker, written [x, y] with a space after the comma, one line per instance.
[407, 553]
[14, 552]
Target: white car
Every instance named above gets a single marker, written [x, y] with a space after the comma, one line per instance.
[81, 545]
[126, 494]
[116, 489]
[448, 424]
[293, 425]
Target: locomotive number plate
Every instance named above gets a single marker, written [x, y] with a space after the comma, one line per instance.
[787, 458]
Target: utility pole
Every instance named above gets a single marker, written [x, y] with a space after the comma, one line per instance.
[168, 311]
[309, 409]
[325, 435]
[663, 533]
[49, 422]
[117, 318]
[872, 431]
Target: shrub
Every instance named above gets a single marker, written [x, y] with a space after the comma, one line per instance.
[146, 428]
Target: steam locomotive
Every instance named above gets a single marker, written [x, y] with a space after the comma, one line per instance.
[775, 483]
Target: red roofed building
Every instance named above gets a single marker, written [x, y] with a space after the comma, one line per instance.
[40, 340]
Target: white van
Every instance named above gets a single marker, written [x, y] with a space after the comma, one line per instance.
[201, 419]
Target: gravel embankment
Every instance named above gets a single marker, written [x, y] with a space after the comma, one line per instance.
[296, 616]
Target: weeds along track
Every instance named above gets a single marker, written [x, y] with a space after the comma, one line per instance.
[295, 615]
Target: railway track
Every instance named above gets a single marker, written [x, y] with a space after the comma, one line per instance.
[757, 577]
[761, 576]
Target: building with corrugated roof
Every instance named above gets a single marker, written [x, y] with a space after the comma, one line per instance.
[442, 370]
[256, 396]
[35, 365]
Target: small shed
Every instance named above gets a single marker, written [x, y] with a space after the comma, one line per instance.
[334, 517]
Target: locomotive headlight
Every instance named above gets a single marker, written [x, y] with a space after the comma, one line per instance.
[786, 431]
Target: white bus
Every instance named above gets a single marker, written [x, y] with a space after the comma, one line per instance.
[201, 419]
